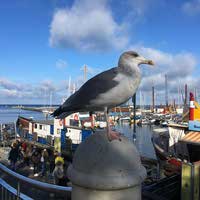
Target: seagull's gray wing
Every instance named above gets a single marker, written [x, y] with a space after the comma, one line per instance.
[101, 83]
[80, 100]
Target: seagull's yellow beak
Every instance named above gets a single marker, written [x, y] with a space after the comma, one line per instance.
[143, 60]
[150, 62]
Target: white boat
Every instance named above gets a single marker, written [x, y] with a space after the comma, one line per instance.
[124, 118]
[87, 124]
[101, 124]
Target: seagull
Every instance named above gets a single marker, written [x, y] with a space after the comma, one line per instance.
[106, 90]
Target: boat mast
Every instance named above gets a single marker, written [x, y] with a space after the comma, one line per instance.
[140, 101]
[166, 91]
[85, 73]
[1, 132]
[178, 95]
[69, 86]
[50, 103]
[185, 100]
[74, 88]
[195, 93]
[153, 99]
[134, 112]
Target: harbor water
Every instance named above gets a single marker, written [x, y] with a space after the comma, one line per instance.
[8, 114]
[142, 137]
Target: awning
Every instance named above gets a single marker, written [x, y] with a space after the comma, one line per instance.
[192, 137]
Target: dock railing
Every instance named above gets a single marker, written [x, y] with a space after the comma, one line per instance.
[9, 192]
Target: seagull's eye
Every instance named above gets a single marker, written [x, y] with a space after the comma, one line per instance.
[134, 54]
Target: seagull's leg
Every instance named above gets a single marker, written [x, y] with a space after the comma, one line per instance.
[112, 135]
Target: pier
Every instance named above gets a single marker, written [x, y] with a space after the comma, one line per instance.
[39, 109]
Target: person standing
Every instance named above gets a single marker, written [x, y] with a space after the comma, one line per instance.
[52, 157]
[58, 172]
[13, 156]
[27, 155]
[35, 158]
[44, 160]
[24, 145]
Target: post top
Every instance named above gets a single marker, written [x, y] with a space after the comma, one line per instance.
[101, 164]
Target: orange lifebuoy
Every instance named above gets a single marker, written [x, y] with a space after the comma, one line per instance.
[76, 117]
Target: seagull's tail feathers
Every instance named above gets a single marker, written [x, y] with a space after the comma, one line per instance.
[59, 113]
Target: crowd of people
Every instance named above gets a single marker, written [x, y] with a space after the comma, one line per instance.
[43, 162]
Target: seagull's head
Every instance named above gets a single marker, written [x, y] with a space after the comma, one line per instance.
[132, 58]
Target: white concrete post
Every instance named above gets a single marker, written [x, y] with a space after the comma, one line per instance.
[104, 170]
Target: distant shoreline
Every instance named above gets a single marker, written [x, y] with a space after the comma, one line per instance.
[28, 105]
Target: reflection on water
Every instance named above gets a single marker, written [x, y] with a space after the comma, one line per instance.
[143, 138]
[143, 134]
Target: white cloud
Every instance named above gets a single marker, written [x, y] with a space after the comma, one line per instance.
[16, 91]
[46, 86]
[9, 93]
[87, 25]
[191, 7]
[23, 92]
[7, 84]
[140, 7]
[178, 67]
[61, 64]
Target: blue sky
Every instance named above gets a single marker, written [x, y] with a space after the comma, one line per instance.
[44, 43]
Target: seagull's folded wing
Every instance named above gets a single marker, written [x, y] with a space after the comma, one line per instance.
[97, 85]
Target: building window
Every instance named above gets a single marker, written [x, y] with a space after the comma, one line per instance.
[58, 131]
[35, 125]
[40, 127]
